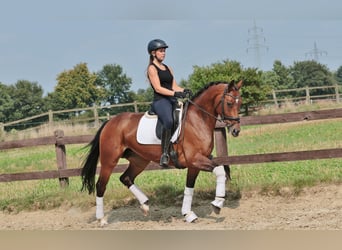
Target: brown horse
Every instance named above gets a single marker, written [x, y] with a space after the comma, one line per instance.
[117, 139]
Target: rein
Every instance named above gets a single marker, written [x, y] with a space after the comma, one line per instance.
[206, 112]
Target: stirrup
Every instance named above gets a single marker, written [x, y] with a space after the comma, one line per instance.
[164, 160]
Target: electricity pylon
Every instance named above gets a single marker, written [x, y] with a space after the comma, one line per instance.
[315, 53]
[257, 41]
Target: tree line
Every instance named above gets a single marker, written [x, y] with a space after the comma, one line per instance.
[79, 88]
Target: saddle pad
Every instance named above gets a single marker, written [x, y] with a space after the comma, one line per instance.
[147, 127]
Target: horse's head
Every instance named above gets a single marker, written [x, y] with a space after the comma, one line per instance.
[221, 101]
[229, 107]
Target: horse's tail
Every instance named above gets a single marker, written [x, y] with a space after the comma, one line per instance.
[90, 164]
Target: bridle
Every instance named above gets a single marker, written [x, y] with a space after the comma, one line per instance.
[223, 117]
[236, 100]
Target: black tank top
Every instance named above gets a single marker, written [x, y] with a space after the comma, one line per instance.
[165, 78]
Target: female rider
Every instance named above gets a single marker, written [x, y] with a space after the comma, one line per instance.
[166, 90]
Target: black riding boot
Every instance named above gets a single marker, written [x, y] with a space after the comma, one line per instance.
[165, 144]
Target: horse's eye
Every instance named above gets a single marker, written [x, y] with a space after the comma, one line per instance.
[230, 104]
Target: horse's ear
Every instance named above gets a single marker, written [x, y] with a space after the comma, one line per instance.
[231, 84]
[239, 84]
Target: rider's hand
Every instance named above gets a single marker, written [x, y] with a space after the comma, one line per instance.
[188, 92]
[179, 94]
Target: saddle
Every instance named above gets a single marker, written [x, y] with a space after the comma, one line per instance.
[149, 122]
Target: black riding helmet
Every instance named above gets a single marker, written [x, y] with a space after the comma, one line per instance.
[156, 44]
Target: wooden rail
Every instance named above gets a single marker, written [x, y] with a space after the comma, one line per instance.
[62, 172]
[307, 97]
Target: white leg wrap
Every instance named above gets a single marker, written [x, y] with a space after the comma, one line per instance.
[190, 217]
[142, 198]
[220, 181]
[99, 208]
[187, 200]
[218, 202]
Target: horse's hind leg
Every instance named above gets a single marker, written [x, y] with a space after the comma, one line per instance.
[108, 159]
[136, 166]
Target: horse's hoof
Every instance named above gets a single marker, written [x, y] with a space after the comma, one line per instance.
[190, 217]
[217, 204]
[145, 209]
[103, 222]
[215, 209]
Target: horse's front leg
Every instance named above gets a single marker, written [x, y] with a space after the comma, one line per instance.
[221, 178]
[189, 215]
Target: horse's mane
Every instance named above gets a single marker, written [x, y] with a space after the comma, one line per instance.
[208, 85]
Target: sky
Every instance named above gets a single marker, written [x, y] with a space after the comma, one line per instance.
[39, 39]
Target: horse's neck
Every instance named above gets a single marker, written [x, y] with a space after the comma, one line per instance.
[203, 111]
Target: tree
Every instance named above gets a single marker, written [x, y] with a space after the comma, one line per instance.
[27, 101]
[6, 103]
[311, 74]
[115, 83]
[144, 95]
[75, 89]
[221, 71]
[283, 78]
[338, 75]
[279, 78]
[253, 90]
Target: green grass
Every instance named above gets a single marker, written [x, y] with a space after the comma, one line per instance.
[37, 158]
[300, 136]
[166, 187]
[297, 136]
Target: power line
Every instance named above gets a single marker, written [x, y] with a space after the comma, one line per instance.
[315, 53]
[258, 43]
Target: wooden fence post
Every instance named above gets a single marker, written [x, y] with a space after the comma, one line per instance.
[50, 117]
[221, 142]
[136, 110]
[337, 94]
[275, 98]
[61, 156]
[96, 116]
[222, 146]
[307, 97]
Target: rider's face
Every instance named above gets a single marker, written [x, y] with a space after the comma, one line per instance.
[160, 54]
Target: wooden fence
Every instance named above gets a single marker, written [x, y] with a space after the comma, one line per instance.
[50, 116]
[59, 141]
[306, 95]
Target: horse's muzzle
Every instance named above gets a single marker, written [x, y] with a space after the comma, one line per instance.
[234, 129]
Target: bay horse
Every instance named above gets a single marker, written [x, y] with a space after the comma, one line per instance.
[116, 139]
